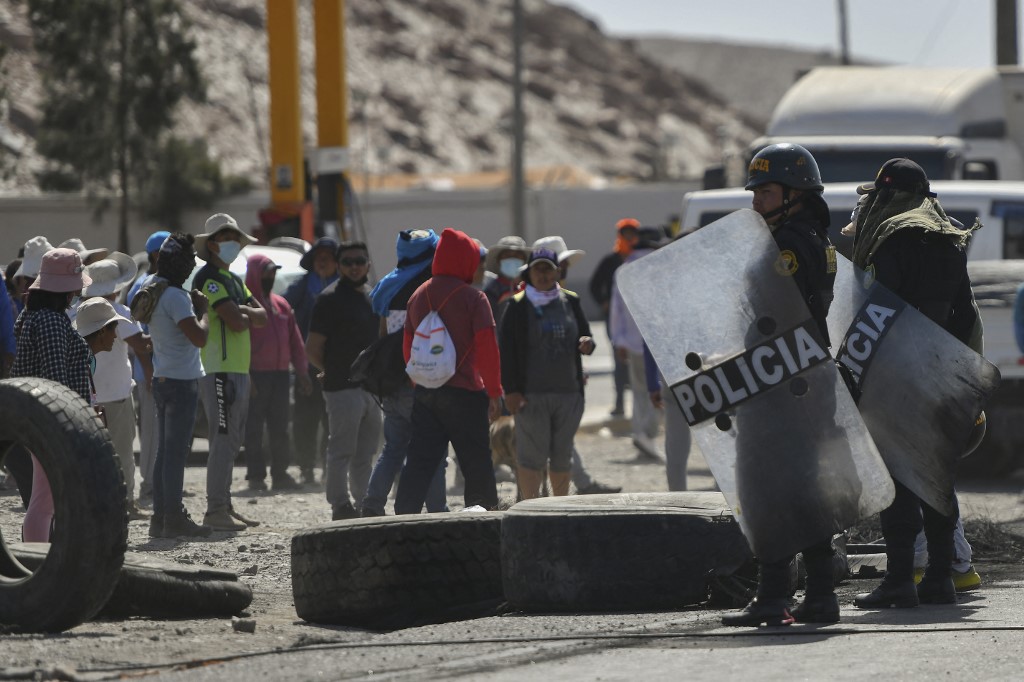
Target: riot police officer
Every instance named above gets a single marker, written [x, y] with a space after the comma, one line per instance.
[787, 193]
[905, 238]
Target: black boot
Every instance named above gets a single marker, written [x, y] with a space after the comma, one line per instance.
[889, 595]
[936, 590]
[768, 611]
[823, 608]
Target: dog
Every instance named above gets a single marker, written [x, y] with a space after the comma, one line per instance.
[503, 450]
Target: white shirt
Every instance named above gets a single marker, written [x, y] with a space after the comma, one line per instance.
[113, 377]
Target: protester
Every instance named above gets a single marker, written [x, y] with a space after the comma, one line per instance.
[8, 345]
[543, 334]
[912, 247]
[505, 259]
[274, 348]
[179, 327]
[584, 483]
[627, 232]
[310, 412]
[143, 381]
[343, 324]
[415, 254]
[113, 374]
[50, 348]
[225, 387]
[459, 411]
[629, 347]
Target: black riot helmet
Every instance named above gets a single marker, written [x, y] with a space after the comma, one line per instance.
[790, 165]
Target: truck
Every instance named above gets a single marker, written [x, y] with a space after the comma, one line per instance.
[958, 123]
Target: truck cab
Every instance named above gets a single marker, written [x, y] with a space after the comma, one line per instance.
[958, 124]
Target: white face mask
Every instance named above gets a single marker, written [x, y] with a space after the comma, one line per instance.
[509, 267]
[229, 251]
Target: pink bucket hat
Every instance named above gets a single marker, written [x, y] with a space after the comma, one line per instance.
[61, 272]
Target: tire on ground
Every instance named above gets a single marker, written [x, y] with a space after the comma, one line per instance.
[398, 571]
[151, 587]
[618, 552]
[90, 513]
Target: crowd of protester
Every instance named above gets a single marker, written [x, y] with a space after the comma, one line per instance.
[151, 347]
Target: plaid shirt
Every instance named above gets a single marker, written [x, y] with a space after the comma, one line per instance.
[50, 348]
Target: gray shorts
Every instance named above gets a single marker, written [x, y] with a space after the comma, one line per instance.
[545, 429]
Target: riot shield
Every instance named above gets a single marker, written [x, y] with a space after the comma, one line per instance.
[920, 389]
[747, 365]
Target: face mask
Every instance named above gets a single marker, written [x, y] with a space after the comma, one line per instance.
[229, 251]
[510, 267]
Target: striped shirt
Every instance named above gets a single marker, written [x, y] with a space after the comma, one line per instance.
[50, 348]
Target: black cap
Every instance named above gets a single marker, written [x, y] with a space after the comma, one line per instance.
[902, 174]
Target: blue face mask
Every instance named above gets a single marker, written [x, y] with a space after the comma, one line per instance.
[510, 267]
[229, 251]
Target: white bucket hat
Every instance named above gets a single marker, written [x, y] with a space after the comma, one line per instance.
[214, 224]
[35, 249]
[111, 274]
[557, 244]
[87, 255]
[94, 314]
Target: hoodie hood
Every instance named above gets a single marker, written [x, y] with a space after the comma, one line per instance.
[254, 267]
[457, 255]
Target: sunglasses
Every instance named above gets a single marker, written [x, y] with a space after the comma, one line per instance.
[349, 262]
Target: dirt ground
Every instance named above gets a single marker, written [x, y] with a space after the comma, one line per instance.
[261, 557]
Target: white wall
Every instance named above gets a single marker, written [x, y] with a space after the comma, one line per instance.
[585, 218]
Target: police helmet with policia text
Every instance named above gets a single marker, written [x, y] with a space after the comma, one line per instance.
[790, 165]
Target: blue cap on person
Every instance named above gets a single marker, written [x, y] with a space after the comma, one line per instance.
[156, 240]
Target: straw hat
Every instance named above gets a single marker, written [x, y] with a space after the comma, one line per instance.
[94, 314]
[111, 274]
[88, 255]
[557, 244]
[217, 223]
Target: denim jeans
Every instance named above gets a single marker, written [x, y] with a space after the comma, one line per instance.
[441, 416]
[397, 432]
[176, 402]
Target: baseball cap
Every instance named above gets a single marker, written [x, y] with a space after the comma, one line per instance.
[902, 174]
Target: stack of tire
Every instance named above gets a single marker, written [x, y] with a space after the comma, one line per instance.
[583, 553]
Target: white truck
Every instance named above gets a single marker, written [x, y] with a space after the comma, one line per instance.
[959, 124]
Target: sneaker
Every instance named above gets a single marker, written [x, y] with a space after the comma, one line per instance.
[156, 526]
[136, 513]
[968, 580]
[308, 477]
[181, 525]
[252, 523]
[257, 485]
[344, 511]
[285, 482]
[596, 488]
[223, 520]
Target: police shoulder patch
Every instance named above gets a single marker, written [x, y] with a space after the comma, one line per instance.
[211, 287]
[787, 263]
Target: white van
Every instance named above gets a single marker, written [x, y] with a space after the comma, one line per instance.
[996, 265]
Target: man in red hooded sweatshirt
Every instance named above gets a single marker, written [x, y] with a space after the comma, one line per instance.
[459, 411]
[274, 348]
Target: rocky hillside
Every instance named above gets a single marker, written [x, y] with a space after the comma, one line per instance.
[430, 93]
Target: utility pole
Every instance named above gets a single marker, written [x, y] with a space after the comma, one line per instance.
[518, 128]
[1006, 33]
[844, 33]
[332, 155]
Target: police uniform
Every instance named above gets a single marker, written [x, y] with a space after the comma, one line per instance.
[924, 262]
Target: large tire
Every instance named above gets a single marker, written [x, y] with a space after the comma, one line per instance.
[398, 571]
[618, 552]
[90, 512]
[150, 587]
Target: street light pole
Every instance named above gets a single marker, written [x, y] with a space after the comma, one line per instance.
[844, 33]
[518, 127]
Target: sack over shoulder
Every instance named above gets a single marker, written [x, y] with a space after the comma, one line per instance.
[146, 299]
[380, 368]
